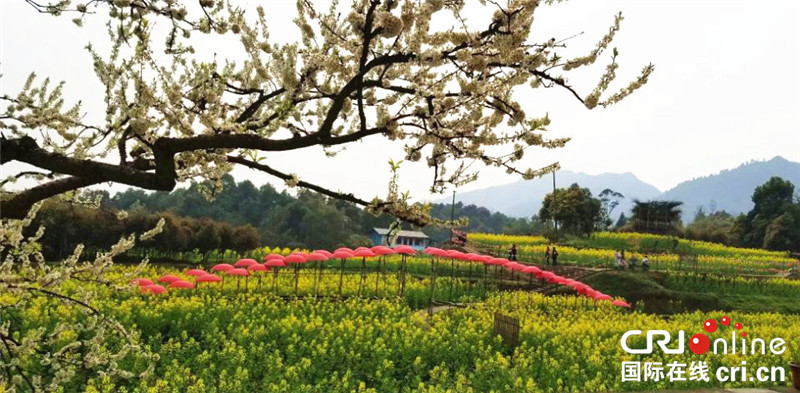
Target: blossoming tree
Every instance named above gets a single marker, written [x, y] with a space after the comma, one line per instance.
[381, 70]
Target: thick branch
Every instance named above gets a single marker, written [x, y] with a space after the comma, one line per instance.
[19, 204]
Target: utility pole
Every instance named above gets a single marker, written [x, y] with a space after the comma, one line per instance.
[555, 222]
[452, 215]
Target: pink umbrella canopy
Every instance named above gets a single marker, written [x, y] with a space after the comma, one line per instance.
[497, 261]
[343, 249]
[247, 262]
[383, 250]
[209, 278]
[257, 268]
[602, 296]
[221, 267]
[554, 279]
[295, 258]
[154, 289]
[273, 256]
[275, 263]
[454, 254]
[323, 252]
[433, 251]
[168, 278]
[365, 252]
[405, 250]
[142, 282]
[181, 284]
[530, 269]
[342, 254]
[196, 272]
[620, 303]
[237, 272]
[316, 256]
[472, 257]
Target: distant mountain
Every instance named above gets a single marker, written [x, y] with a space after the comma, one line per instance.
[730, 190]
[524, 198]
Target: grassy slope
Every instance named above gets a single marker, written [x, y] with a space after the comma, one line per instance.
[649, 288]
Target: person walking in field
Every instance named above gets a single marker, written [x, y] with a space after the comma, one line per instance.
[623, 263]
[645, 263]
[618, 260]
[555, 256]
[512, 253]
[547, 256]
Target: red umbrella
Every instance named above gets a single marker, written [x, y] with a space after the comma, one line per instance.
[554, 279]
[365, 252]
[324, 252]
[195, 272]
[295, 258]
[247, 262]
[239, 273]
[341, 254]
[621, 303]
[181, 284]
[472, 257]
[531, 270]
[405, 250]
[383, 250]
[497, 261]
[275, 263]
[168, 279]
[602, 296]
[257, 268]
[273, 256]
[221, 267]
[154, 289]
[316, 257]
[208, 278]
[431, 250]
[142, 282]
[454, 254]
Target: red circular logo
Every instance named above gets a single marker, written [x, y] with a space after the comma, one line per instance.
[738, 326]
[725, 321]
[710, 325]
[699, 343]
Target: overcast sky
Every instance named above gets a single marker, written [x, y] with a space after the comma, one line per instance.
[726, 90]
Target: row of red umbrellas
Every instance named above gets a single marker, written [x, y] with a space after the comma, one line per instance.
[244, 267]
[548, 276]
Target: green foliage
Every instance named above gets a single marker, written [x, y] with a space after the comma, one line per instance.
[774, 222]
[68, 225]
[574, 208]
[716, 228]
[660, 217]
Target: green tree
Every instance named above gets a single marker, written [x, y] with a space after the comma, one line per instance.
[773, 221]
[662, 217]
[609, 199]
[574, 208]
[717, 227]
